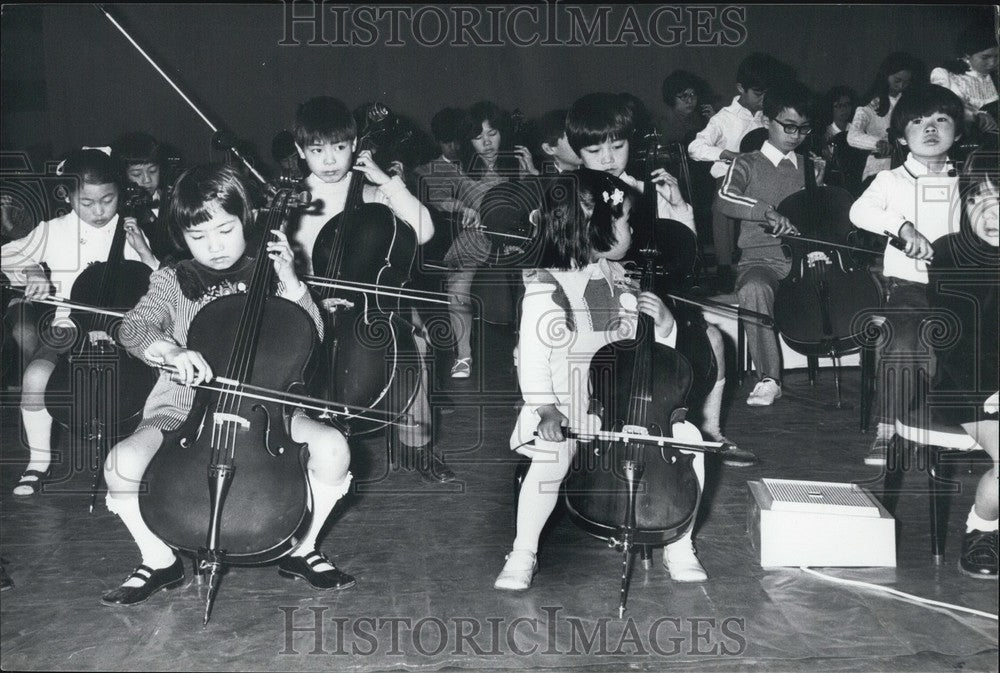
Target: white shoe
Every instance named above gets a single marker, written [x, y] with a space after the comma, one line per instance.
[764, 393]
[516, 575]
[462, 368]
[681, 562]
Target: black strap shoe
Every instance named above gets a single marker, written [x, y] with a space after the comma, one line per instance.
[979, 554]
[432, 467]
[153, 581]
[305, 567]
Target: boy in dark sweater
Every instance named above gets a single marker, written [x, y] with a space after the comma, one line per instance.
[754, 185]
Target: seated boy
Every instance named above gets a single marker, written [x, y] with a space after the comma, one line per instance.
[326, 137]
[754, 185]
[918, 202]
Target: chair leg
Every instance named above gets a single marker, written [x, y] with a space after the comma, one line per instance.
[812, 365]
[894, 467]
[867, 381]
[938, 477]
[742, 359]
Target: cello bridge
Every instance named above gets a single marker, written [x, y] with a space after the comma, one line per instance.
[241, 422]
[634, 430]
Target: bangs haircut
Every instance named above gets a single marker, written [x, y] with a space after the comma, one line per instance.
[324, 119]
[136, 149]
[791, 96]
[91, 167]
[598, 117]
[200, 192]
[921, 101]
[576, 219]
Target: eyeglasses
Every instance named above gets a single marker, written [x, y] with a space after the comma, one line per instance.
[792, 129]
[687, 95]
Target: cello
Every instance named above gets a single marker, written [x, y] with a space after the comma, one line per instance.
[98, 389]
[367, 340]
[258, 494]
[633, 487]
[818, 304]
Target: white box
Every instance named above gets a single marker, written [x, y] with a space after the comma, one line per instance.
[846, 526]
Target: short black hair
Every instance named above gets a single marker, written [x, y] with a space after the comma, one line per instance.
[324, 119]
[789, 95]
[598, 117]
[90, 167]
[578, 214]
[923, 100]
[761, 71]
[199, 191]
[138, 148]
[551, 126]
[448, 124]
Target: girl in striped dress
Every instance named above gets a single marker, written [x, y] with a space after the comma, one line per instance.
[210, 216]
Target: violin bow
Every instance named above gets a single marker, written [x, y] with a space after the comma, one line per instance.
[235, 150]
[302, 401]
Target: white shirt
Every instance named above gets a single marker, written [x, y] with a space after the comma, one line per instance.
[866, 130]
[975, 89]
[724, 131]
[775, 156]
[67, 245]
[908, 193]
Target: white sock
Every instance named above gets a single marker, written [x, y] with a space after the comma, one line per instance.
[712, 412]
[155, 553]
[38, 434]
[885, 430]
[976, 522]
[325, 496]
[538, 497]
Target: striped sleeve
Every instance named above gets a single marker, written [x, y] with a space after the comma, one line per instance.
[153, 318]
[733, 201]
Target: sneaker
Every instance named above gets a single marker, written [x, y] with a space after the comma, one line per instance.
[462, 368]
[764, 393]
[979, 554]
[516, 575]
[681, 561]
[877, 452]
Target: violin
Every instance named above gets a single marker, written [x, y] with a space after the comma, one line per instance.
[632, 486]
[366, 339]
[98, 389]
[817, 306]
[258, 501]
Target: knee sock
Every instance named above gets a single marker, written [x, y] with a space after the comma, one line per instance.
[976, 522]
[538, 498]
[712, 412]
[155, 553]
[38, 433]
[325, 496]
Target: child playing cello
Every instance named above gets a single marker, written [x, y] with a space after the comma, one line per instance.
[210, 215]
[582, 290]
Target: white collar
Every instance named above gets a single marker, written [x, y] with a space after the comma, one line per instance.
[775, 156]
[918, 170]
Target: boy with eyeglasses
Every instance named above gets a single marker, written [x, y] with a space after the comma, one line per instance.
[754, 185]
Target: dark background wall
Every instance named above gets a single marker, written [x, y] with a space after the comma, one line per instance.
[71, 79]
